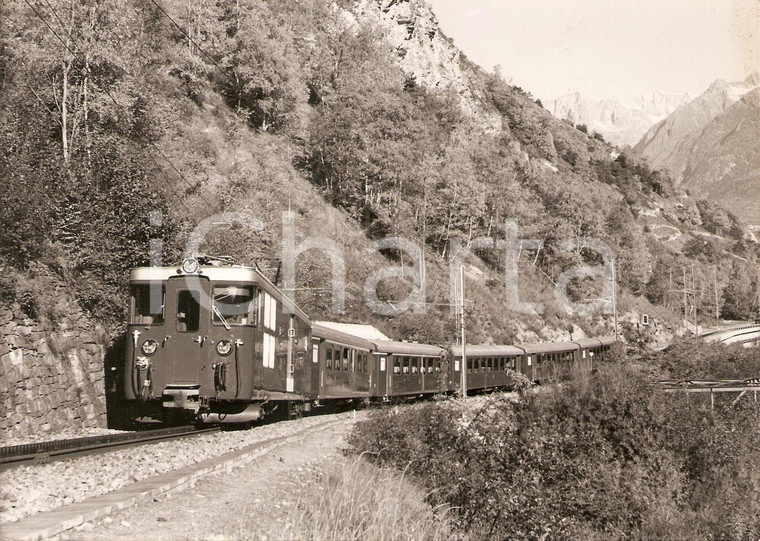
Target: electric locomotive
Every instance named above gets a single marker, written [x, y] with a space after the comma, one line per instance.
[213, 342]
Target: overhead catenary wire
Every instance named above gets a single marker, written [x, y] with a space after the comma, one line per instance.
[194, 43]
[122, 109]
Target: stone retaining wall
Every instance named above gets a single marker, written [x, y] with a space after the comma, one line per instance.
[51, 375]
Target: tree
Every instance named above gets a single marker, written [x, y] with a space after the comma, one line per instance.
[738, 296]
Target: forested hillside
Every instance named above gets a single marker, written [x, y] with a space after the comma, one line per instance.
[360, 117]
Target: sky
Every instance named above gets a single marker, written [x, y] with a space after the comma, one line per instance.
[615, 49]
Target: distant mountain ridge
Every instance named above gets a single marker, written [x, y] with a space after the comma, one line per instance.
[660, 145]
[620, 123]
[711, 146]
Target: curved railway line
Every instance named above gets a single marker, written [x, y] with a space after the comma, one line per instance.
[47, 451]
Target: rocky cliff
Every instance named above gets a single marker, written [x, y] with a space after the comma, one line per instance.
[425, 54]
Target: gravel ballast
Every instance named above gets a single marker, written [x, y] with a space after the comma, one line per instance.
[27, 490]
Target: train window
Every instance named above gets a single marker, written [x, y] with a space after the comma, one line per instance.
[148, 304]
[345, 359]
[396, 365]
[233, 305]
[337, 352]
[364, 363]
[414, 362]
[188, 311]
[470, 364]
[328, 357]
[430, 365]
[268, 351]
[437, 365]
[405, 365]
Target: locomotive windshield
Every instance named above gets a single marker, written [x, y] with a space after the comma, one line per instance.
[234, 305]
[148, 304]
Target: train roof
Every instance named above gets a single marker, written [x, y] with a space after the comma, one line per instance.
[368, 332]
[407, 348]
[588, 342]
[487, 351]
[229, 273]
[549, 347]
[333, 335]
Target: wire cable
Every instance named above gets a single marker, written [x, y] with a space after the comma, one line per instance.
[123, 110]
[195, 44]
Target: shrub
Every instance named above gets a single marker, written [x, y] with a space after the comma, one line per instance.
[606, 456]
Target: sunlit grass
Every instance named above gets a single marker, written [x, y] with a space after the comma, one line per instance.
[359, 501]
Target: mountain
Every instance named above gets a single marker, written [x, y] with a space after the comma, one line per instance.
[619, 123]
[666, 145]
[722, 163]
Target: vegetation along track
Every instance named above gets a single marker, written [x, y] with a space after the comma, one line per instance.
[17, 455]
[55, 519]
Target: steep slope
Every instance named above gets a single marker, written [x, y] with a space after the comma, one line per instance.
[665, 144]
[619, 123]
[722, 164]
[362, 119]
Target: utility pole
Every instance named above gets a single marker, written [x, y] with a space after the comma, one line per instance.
[463, 332]
[685, 315]
[614, 300]
[715, 282]
[696, 300]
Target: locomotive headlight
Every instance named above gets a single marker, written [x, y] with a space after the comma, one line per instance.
[149, 347]
[224, 347]
[190, 265]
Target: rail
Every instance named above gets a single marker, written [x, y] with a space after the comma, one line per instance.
[59, 449]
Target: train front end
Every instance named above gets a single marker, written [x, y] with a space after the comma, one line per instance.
[190, 343]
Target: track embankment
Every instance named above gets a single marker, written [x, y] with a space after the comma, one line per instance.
[53, 498]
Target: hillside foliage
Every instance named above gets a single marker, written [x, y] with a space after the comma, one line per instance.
[116, 111]
[606, 456]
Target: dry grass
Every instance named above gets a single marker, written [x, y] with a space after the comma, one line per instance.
[359, 501]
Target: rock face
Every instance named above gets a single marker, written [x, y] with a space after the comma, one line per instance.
[50, 379]
[710, 146]
[665, 144]
[426, 55]
[620, 124]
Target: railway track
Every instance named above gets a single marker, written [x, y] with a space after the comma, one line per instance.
[43, 452]
[46, 524]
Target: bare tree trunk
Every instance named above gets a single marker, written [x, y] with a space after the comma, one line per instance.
[65, 111]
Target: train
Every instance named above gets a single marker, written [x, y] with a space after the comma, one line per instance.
[212, 342]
